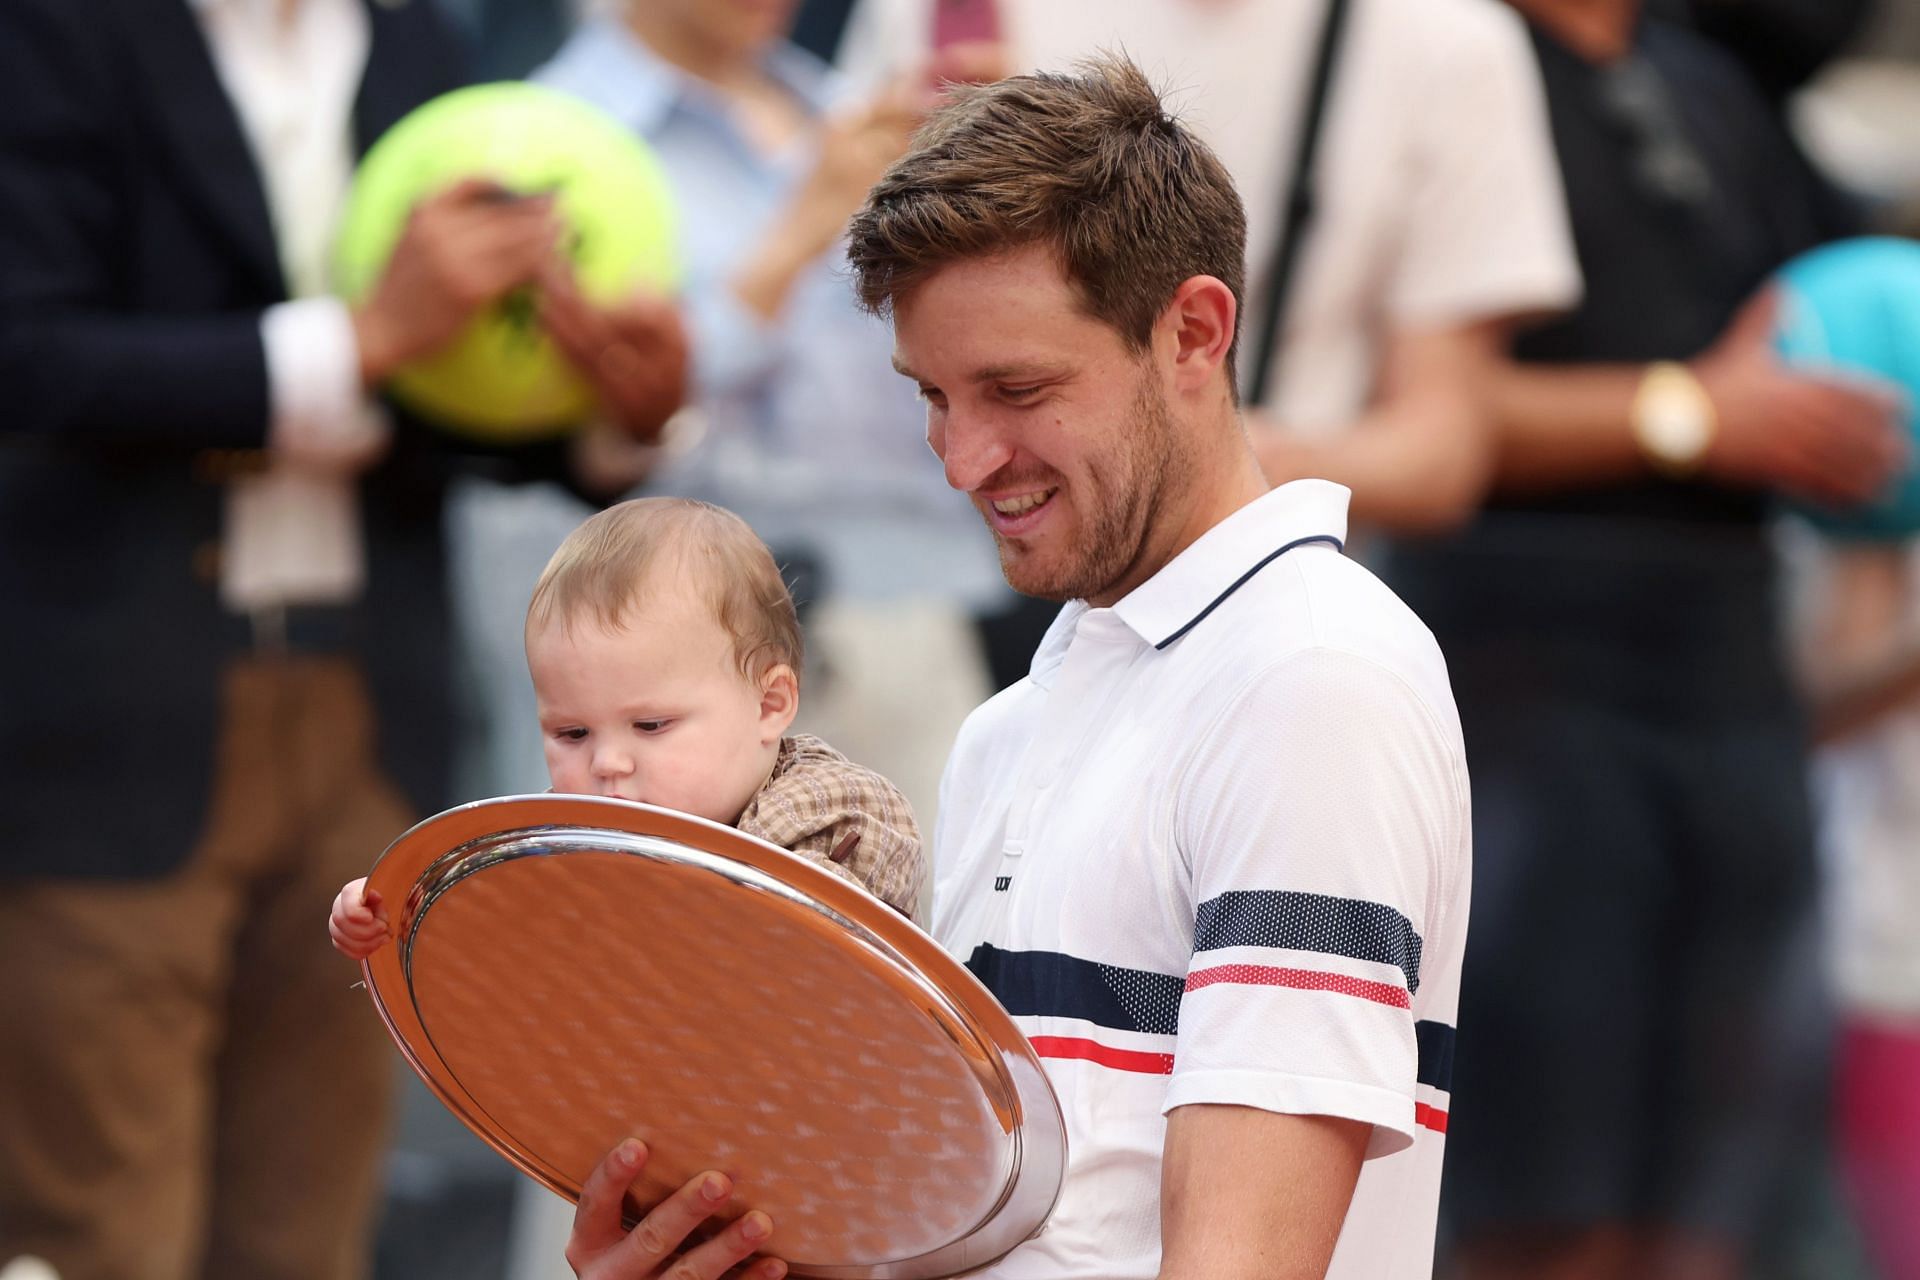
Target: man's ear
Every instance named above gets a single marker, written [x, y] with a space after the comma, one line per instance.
[779, 702]
[1196, 332]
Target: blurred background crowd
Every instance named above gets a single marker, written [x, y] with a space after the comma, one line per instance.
[1510, 268]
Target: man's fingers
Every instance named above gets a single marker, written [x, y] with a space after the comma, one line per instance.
[647, 311]
[669, 1223]
[478, 194]
[597, 1224]
[580, 333]
[517, 249]
[468, 190]
[717, 1257]
[1829, 475]
[1857, 435]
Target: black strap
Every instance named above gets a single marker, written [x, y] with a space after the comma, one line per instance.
[1298, 202]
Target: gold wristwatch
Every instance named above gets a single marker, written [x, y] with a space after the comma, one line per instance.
[1673, 419]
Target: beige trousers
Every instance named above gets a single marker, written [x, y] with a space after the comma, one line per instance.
[190, 1089]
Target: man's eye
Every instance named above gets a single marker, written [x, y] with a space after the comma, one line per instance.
[932, 395]
[1017, 394]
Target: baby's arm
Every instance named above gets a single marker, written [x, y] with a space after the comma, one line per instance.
[879, 851]
[847, 819]
[359, 921]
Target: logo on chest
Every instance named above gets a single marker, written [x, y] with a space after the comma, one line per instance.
[1002, 883]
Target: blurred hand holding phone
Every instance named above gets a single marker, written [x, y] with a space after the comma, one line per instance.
[969, 45]
[965, 22]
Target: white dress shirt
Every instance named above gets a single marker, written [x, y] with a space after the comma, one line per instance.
[292, 69]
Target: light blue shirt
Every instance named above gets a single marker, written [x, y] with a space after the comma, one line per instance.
[811, 435]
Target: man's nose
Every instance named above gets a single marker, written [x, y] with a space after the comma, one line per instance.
[971, 449]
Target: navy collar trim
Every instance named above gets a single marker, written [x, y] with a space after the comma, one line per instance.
[1242, 581]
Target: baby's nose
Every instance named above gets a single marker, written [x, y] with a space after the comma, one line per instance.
[612, 763]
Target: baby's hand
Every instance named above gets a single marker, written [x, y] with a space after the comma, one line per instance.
[359, 921]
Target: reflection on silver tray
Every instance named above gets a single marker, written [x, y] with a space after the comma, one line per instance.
[569, 971]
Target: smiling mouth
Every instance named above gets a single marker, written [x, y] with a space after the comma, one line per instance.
[1023, 503]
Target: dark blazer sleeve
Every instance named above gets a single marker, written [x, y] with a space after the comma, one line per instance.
[76, 358]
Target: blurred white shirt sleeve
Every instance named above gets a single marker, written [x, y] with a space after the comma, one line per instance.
[1488, 233]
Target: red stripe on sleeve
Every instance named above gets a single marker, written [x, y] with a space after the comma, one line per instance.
[1260, 975]
[1429, 1117]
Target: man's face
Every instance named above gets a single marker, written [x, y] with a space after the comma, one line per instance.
[1059, 433]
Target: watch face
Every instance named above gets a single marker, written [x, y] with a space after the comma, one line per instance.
[1678, 432]
[1673, 418]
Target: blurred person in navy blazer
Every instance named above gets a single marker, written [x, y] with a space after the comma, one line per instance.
[222, 682]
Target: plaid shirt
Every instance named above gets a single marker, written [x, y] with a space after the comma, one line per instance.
[844, 817]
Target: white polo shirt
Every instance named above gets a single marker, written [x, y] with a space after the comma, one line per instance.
[1215, 849]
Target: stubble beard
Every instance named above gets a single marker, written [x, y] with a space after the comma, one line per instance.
[1121, 496]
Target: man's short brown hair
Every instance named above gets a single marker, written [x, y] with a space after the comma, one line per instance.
[1089, 164]
[607, 567]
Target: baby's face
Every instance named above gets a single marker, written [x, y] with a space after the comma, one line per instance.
[655, 710]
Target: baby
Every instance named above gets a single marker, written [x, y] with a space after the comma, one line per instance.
[665, 655]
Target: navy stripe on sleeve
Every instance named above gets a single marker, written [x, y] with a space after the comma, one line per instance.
[1350, 927]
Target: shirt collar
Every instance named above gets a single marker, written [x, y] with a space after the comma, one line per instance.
[1223, 559]
[617, 70]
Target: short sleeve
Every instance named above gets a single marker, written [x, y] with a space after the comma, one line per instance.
[1322, 822]
[1486, 225]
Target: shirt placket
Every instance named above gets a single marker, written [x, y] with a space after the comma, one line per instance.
[1084, 680]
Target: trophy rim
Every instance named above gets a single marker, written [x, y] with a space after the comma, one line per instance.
[431, 857]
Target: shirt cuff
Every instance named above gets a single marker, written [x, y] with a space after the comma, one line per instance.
[315, 398]
[1390, 1113]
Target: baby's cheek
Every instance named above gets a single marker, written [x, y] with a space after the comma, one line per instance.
[561, 770]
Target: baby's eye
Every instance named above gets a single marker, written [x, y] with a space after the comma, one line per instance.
[570, 735]
[651, 726]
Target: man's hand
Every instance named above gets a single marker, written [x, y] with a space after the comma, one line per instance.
[461, 249]
[855, 150]
[1830, 439]
[600, 1248]
[633, 352]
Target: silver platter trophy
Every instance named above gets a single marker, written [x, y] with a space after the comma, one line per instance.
[571, 971]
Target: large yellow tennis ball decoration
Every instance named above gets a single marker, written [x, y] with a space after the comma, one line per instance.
[503, 381]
